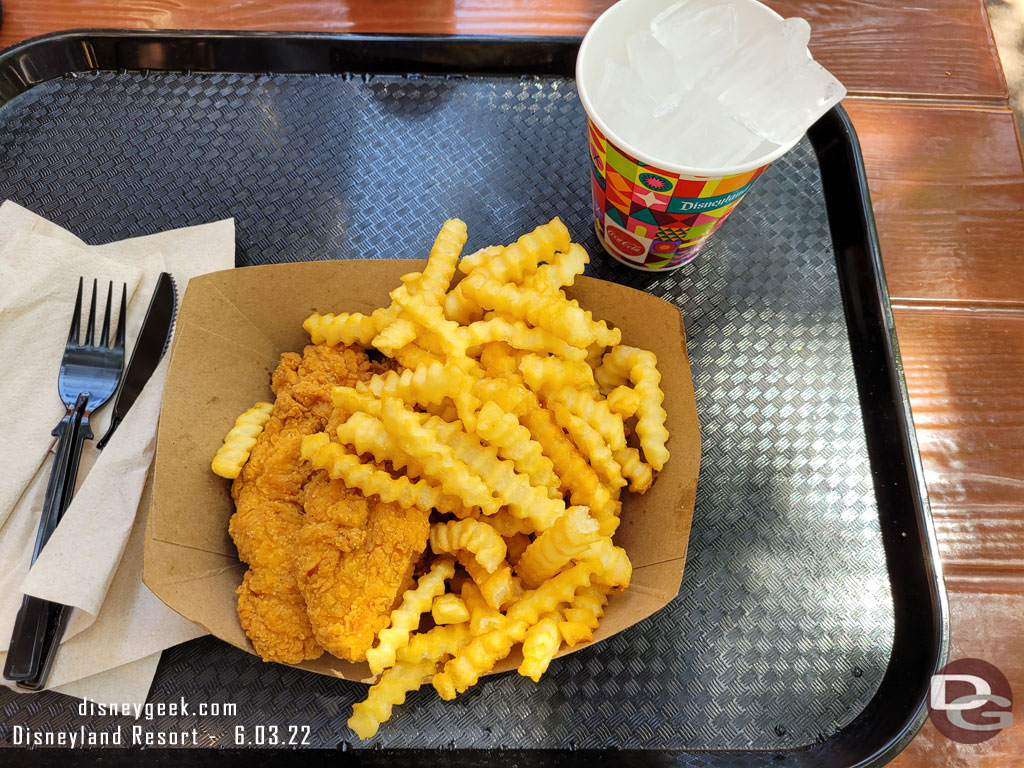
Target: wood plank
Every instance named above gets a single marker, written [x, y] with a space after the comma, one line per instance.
[947, 188]
[965, 374]
[980, 540]
[986, 625]
[868, 44]
[929, 143]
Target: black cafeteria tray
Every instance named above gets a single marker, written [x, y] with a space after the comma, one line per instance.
[811, 614]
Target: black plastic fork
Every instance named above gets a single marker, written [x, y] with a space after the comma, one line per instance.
[89, 374]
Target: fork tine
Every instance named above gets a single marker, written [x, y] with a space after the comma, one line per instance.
[76, 318]
[105, 333]
[119, 332]
[90, 328]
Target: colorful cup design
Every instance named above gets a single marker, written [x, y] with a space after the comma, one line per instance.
[653, 219]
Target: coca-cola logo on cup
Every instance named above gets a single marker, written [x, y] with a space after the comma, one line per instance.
[970, 701]
[625, 243]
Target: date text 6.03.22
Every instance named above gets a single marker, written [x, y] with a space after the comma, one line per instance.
[272, 735]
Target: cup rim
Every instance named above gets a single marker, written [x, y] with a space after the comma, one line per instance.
[643, 157]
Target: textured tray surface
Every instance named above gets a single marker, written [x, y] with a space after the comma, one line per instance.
[783, 626]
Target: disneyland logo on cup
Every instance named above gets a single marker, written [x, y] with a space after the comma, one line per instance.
[710, 203]
[970, 701]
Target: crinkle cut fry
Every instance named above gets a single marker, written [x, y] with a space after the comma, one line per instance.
[352, 400]
[484, 651]
[430, 285]
[574, 632]
[540, 645]
[348, 327]
[512, 488]
[396, 335]
[510, 396]
[588, 606]
[341, 465]
[472, 536]
[507, 524]
[585, 609]
[623, 401]
[416, 662]
[429, 316]
[546, 375]
[449, 609]
[512, 263]
[406, 617]
[521, 257]
[560, 271]
[641, 367]
[638, 473]
[611, 564]
[590, 444]
[519, 335]
[443, 258]
[240, 439]
[553, 549]
[423, 385]
[435, 644]
[497, 586]
[390, 691]
[367, 434]
[412, 355]
[605, 335]
[558, 589]
[480, 655]
[513, 441]
[597, 413]
[570, 466]
[483, 617]
[436, 458]
[548, 311]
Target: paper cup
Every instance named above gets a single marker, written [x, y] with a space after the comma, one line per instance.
[650, 214]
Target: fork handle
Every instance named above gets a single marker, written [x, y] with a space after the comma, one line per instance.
[57, 621]
[57, 488]
[25, 654]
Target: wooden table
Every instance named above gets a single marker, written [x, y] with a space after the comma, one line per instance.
[947, 181]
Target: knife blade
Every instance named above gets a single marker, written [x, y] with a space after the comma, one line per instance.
[150, 346]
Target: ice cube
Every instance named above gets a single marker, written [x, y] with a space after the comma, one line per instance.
[700, 134]
[623, 103]
[800, 96]
[698, 35]
[652, 64]
[773, 85]
[796, 33]
[761, 58]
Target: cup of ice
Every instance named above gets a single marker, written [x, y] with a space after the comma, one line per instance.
[688, 102]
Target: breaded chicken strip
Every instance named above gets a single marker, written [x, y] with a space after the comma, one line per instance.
[356, 557]
[268, 514]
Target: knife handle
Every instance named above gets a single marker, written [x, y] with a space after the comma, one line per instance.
[114, 421]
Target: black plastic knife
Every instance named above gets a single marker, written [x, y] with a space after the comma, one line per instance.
[150, 346]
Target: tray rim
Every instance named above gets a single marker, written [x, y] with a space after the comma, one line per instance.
[855, 241]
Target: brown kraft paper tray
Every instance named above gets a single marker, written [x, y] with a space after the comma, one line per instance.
[232, 329]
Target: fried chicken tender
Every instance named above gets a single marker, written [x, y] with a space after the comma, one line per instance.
[269, 513]
[355, 558]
